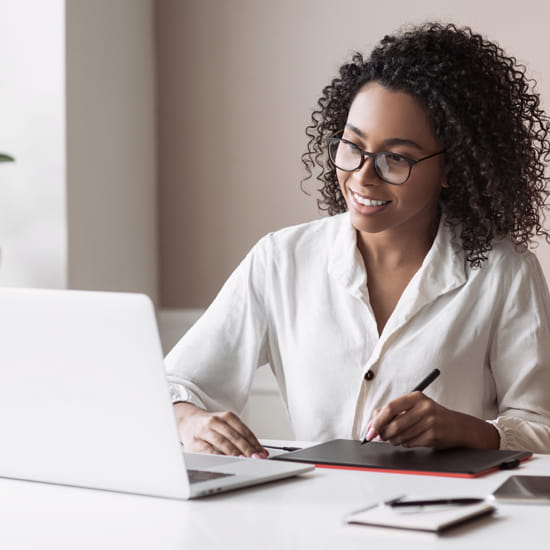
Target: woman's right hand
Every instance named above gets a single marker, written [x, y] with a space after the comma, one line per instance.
[215, 432]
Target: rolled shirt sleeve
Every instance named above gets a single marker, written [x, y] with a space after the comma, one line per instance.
[213, 365]
[519, 359]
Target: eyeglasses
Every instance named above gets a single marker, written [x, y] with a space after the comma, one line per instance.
[389, 167]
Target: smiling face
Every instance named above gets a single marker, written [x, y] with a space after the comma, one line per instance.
[383, 120]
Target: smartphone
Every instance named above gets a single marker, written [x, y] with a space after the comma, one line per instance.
[524, 490]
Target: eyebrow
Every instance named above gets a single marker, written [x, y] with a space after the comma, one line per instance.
[389, 141]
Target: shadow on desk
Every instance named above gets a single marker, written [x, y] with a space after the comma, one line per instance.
[481, 523]
[264, 487]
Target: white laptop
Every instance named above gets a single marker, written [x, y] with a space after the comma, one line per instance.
[84, 400]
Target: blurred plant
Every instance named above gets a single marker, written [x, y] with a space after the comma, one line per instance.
[6, 158]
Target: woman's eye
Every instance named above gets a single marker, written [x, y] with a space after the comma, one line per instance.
[395, 158]
[350, 145]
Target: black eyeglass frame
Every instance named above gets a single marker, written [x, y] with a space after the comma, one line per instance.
[366, 154]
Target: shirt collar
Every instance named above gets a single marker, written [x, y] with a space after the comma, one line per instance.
[345, 263]
[442, 270]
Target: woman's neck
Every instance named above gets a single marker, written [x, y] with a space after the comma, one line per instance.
[397, 247]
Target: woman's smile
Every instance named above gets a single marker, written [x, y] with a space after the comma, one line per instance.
[366, 205]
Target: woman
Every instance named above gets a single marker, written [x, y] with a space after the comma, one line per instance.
[431, 154]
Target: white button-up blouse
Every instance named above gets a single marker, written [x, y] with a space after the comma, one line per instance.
[299, 301]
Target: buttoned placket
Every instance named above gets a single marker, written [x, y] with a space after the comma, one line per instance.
[441, 271]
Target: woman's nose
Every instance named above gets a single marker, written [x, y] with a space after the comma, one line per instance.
[366, 174]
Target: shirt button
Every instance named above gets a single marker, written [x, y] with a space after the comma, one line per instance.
[369, 375]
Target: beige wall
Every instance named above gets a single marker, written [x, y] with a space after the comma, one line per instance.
[237, 81]
[111, 145]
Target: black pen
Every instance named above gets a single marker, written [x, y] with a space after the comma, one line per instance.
[435, 502]
[428, 380]
[420, 387]
[290, 449]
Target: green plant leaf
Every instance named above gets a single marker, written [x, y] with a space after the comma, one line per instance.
[6, 158]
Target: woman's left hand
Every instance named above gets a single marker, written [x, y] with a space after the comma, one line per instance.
[416, 420]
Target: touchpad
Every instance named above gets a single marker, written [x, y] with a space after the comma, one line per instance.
[202, 461]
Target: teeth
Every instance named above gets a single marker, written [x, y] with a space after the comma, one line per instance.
[368, 202]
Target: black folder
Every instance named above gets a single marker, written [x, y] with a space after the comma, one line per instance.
[383, 457]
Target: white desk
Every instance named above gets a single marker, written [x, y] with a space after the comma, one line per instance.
[299, 513]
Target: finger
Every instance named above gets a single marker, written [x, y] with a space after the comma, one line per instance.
[436, 428]
[419, 421]
[401, 423]
[239, 426]
[226, 439]
[232, 441]
[206, 436]
[370, 431]
[386, 414]
[422, 439]
[402, 413]
[407, 436]
[201, 446]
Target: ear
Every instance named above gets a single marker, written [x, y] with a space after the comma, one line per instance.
[444, 178]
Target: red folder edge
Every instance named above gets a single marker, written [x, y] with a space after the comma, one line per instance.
[415, 472]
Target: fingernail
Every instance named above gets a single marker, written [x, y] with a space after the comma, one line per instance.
[255, 455]
[370, 434]
[377, 438]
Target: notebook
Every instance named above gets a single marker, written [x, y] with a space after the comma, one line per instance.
[458, 462]
[84, 400]
[428, 518]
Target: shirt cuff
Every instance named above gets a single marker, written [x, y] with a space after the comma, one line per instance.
[179, 393]
[519, 434]
[503, 435]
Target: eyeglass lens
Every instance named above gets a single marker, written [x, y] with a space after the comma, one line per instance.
[390, 167]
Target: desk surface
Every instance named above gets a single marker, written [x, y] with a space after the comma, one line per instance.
[305, 512]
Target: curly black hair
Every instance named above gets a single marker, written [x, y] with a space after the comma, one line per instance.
[483, 110]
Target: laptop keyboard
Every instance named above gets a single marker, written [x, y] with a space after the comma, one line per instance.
[203, 475]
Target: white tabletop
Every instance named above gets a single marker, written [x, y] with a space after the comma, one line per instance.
[305, 512]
